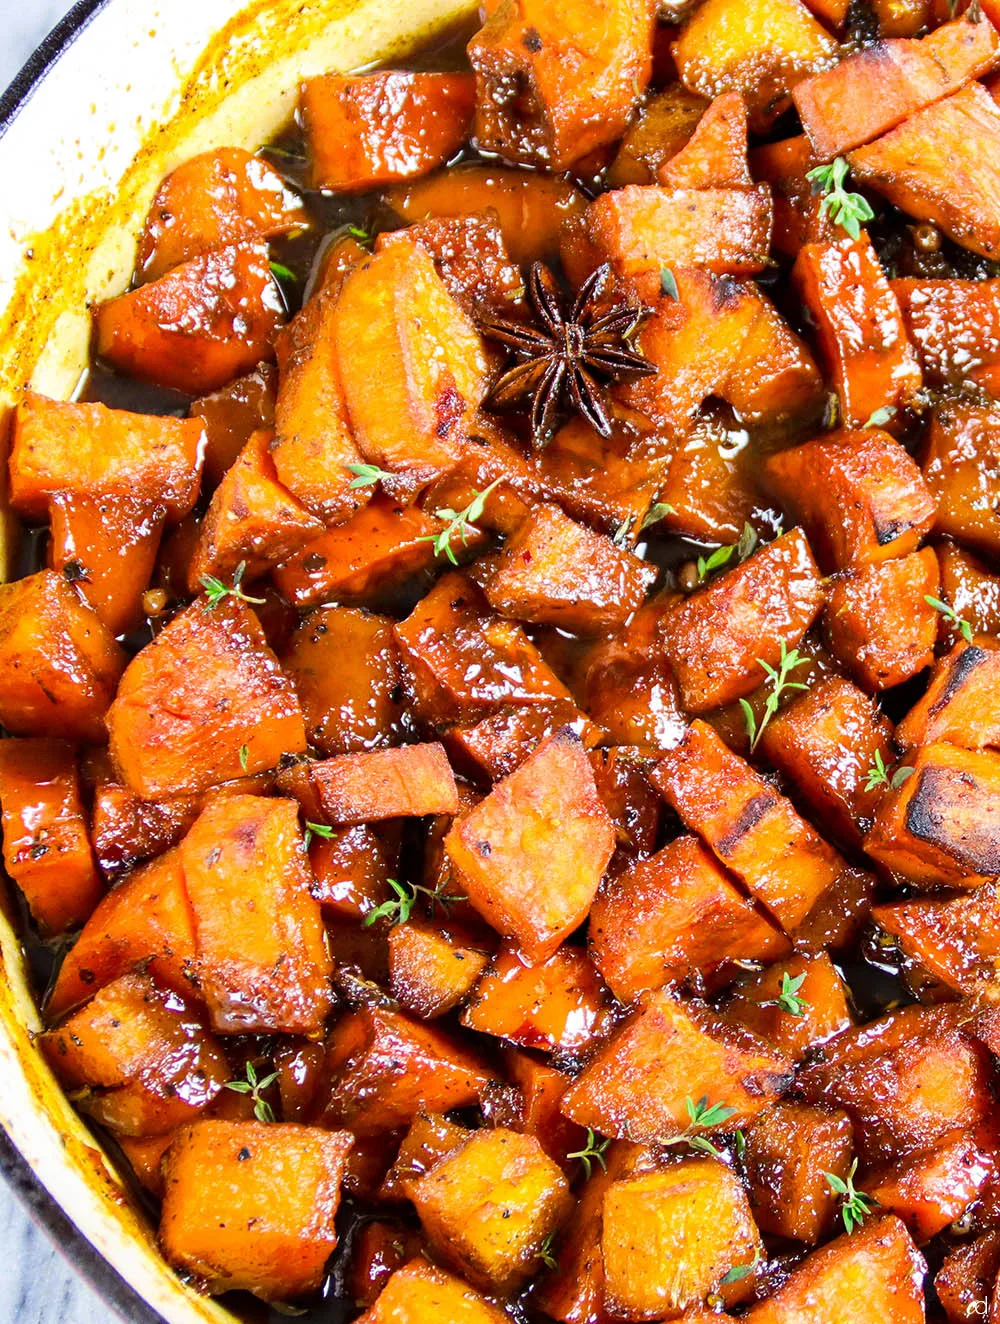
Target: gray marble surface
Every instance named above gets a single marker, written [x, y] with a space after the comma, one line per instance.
[37, 1286]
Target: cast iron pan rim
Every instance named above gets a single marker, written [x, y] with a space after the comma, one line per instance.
[48, 54]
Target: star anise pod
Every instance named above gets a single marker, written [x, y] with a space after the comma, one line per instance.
[567, 358]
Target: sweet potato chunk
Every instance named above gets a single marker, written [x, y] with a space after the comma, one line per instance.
[541, 72]
[421, 1293]
[715, 156]
[860, 330]
[969, 587]
[961, 702]
[200, 325]
[531, 855]
[407, 782]
[799, 215]
[252, 1206]
[942, 826]
[88, 450]
[262, 959]
[966, 1277]
[943, 165]
[59, 664]
[774, 375]
[383, 1068]
[575, 1290]
[670, 1238]
[859, 496]
[668, 1052]
[672, 915]
[961, 464]
[213, 199]
[541, 1089]
[46, 849]
[957, 939]
[752, 828]
[717, 638]
[232, 415]
[137, 1059]
[789, 1150]
[955, 327]
[930, 1190]
[432, 969]
[792, 1022]
[661, 128]
[553, 571]
[366, 130]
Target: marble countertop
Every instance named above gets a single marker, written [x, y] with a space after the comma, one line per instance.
[37, 1286]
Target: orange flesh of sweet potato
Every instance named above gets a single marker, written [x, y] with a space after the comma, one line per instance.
[751, 827]
[252, 1206]
[351, 871]
[716, 639]
[472, 261]
[708, 486]
[232, 415]
[429, 1139]
[859, 495]
[960, 705]
[531, 855]
[799, 215]
[822, 997]
[774, 375]
[203, 323]
[943, 165]
[368, 130]
[838, 918]
[432, 970]
[46, 848]
[216, 198]
[956, 939]
[930, 1190]
[541, 1089]
[263, 964]
[970, 589]
[955, 327]
[421, 1293]
[715, 156]
[407, 782]
[671, 915]
[789, 1150]
[88, 450]
[961, 465]
[205, 688]
[380, 1248]
[670, 1050]
[659, 131]
[497, 745]
[574, 1292]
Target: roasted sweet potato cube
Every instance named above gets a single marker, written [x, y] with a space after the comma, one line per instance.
[541, 1088]
[557, 1005]
[367, 130]
[637, 701]
[203, 323]
[932, 1189]
[88, 450]
[59, 663]
[126, 830]
[662, 127]
[838, 918]
[394, 310]
[407, 782]
[969, 587]
[943, 165]
[668, 1052]
[488, 1207]
[774, 375]
[749, 825]
[670, 1238]
[879, 86]
[715, 156]
[710, 489]
[531, 855]
[878, 622]
[554, 571]
[575, 1289]
[644, 227]
[799, 215]
[472, 260]
[793, 1004]
[213, 199]
[539, 75]
[429, 1139]
[421, 1293]
[824, 742]
[672, 915]
[956, 939]
[432, 969]
[252, 1206]
[906, 1080]
[717, 638]
[263, 964]
[378, 1249]
[46, 849]
[859, 496]
[232, 415]
[206, 689]
[860, 332]
[497, 745]
[145, 1155]
[874, 1273]
[955, 327]
[789, 1150]
[383, 1068]
[966, 1277]
[137, 1059]
[942, 826]
[629, 797]
[961, 464]
[962, 703]
[760, 49]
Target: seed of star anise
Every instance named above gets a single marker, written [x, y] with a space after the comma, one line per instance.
[568, 358]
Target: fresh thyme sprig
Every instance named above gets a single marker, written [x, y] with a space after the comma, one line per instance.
[881, 416]
[668, 283]
[216, 591]
[659, 510]
[855, 1206]
[592, 1152]
[367, 475]
[778, 679]
[460, 522]
[879, 775]
[281, 272]
[399, 908]
[323, 830]
[951, 616]
[545, 1251]
[788, 999]
[744, 547]
[740, 1271]
[701, 1116]
[844, 208]
[254, 1086]
[244, 756]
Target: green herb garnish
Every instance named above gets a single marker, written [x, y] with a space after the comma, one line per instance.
[322, 830]
[399, 908]
[844, 208]
[253, 1086]
[592, 1152]
[878, 774]
[366, 475]
[778, 679]
[216, 591]
[460, 522]
[668, 283]
[951, 616]
[856, 1205]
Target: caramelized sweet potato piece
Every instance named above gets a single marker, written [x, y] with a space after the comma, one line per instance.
[421, 1293]
[752, 828]
[629, 797]
[541, 1089]
[88, 450]
[137, 1059]
[126, 830]
[46, 849]
[232, 415]
[383, 1068]
[838, 918]
[407, 782]
[813, 1013]
[531, 855]
[540, 74]
[661, 129]
[351, 870]
[252, 1206]
[366, 130]
[429, 1139]
[203, 323]
[956, 939]
[672, 915]
[943, 165]
[942, 826]
[472, 261]
[970, 589]
[930, 1190]
[859, 496]
[955, 327]
[961, 702]
[715, 156]
[574, 1291]
[774, 375]
[497, 745]
[263, 964]
[433, 969]
[799, 215]
[59, 664]
[669, 1240]
[206, 688]
[213, 199]
[668, 1052]
[961, 464]
[878, 621]
[966, 1277]
[789, 1150]
[717, 638]
[860, 330]
[379, 1248]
